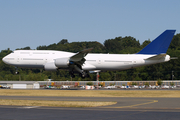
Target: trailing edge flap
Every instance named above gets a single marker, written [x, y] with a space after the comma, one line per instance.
[157, 57]
[87, 66]
[80, 55]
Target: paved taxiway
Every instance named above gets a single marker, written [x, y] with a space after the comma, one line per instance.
[126, 108]
[122, 102]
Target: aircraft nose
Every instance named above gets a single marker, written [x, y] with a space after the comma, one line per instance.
[4, 59]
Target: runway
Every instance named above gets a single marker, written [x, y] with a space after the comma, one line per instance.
[126, 108]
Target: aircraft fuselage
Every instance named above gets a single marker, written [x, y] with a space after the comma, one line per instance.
[39, 58]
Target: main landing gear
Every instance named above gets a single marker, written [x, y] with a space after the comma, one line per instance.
[83, 74]
[72, 74]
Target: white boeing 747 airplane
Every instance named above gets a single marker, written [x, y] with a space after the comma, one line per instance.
[83, 61]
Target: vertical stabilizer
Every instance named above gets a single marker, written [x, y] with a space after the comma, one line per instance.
[160, 44]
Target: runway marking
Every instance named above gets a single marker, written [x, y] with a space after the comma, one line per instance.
[154, 101]
[29, 107]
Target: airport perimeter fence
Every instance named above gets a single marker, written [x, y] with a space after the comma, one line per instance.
[105, 83]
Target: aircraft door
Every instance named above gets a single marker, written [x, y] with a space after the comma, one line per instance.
[134, 63]
[18, 59]
[99, 61]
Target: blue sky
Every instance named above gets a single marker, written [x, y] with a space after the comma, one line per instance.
[44, 22]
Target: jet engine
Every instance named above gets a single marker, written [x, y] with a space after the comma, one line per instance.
[62, 62]
[50, 66]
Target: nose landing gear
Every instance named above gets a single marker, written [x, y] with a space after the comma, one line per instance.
[17, 72]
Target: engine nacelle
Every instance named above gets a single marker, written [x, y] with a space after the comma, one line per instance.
[50, 66]
[62, 62]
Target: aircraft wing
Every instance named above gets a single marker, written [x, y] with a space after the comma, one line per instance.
[156, 57]
[79, 57]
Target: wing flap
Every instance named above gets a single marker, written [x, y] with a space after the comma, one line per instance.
[87, 66]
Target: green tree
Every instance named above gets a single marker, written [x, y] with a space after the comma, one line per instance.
[159, 82]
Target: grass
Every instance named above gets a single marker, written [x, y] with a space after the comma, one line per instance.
[79, 93]
[54, 103]
[92, 93]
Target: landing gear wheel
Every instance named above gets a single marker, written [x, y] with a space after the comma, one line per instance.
[72, 74]
[88, 76]
[82, 75]
[16, 72]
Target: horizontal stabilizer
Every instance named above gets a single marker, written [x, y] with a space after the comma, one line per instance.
[157, 57]
[160, 44]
